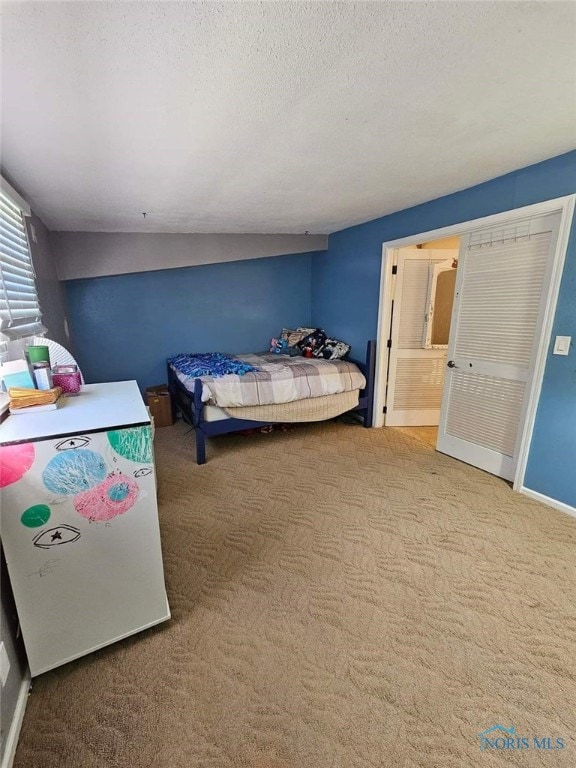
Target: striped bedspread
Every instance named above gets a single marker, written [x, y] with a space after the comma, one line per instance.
[279, 379]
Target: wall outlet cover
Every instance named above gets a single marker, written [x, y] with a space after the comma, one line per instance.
[562, 345]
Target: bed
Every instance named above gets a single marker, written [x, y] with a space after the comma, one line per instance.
[214, 407]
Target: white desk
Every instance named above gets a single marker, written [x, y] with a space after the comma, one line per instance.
[80, 523]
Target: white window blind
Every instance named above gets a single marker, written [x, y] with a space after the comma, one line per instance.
[20, 314]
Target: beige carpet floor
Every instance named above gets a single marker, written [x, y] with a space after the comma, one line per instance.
[342, 598]
[424, 434]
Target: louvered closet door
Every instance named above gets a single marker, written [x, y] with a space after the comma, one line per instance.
[415, 374]
[501, 288]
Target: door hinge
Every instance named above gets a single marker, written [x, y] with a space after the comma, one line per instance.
[394, 269]
[385, 409]
[389, 343]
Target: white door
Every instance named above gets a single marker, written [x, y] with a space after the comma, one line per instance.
[415, 374]
[502, 285]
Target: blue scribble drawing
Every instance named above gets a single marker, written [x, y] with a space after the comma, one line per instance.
[118, 492]
[74, 471]
[134, 444]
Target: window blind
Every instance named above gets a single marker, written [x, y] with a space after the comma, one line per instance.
[20, 314]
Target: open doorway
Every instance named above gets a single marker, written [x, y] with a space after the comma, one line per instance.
[488, 380]
[421, 310]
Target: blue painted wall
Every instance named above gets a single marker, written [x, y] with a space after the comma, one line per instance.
[125, 326]
[345, 294]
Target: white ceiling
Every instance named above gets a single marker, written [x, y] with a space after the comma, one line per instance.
[278, 116]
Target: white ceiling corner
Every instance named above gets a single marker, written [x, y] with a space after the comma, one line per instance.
[279, 117]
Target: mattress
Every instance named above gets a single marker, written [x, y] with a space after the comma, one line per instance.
[274, 380]
[312, 409]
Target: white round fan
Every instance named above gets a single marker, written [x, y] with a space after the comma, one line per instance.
[59, 355]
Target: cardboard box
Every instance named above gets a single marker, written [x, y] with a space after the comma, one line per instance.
[160, 403]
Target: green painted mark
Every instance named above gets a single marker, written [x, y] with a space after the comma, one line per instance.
[35, 516]
[134, 444]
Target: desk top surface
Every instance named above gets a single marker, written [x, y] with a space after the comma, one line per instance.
[98, 407]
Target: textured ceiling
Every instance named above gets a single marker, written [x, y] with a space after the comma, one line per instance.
[275, 117]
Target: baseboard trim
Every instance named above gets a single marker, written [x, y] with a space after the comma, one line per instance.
[16, 725]
[549, 501]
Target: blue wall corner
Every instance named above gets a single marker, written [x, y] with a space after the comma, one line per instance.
[125, 326]
[345, 297]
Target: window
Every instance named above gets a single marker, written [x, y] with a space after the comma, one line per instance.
[20, 314]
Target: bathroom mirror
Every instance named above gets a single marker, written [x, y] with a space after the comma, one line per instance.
[441, 285]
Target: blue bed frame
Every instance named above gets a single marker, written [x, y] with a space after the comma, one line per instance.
[192, 408]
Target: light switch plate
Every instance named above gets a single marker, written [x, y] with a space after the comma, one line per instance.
[562, 345]
[4, 664]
